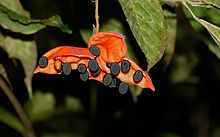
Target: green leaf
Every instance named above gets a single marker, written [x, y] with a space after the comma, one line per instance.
[17, 23]
[2, 69]
[210, 14]
[205, 3]
[1, 38]
[56, 21]
[146, 20]
[16, 6]
[41, 106]
[3, 73]
[213, 30]
[213, 48]
[26, 52]
[213, 14]
[170, 2]
[12, 121]
[213, 2]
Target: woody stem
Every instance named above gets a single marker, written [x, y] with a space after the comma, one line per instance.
[17, 106]
[96, 16]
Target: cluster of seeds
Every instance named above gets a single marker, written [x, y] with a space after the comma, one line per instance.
[104, 60]
[110, 79]
[93, 69]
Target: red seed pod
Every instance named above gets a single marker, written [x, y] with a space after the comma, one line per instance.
[112, 46]
[130, 73]
[103, 61]
[53, 59]
[136, 76]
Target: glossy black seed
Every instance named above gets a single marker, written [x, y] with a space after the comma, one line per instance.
[107, 79]
[81, 68]
[115, 69]
[43, 62]
[138, 75]
[123, 87]
[96, 72]
[93, 65]
[94, 50]
[108, 64]
[66, 68]
[125, 66]
[113, 83]
[84, 76]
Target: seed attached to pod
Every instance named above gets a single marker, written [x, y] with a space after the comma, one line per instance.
[81, 68]
[84, 76]
[93, 65]
[94, 50]
[43, 62]
[123, 87]
[115, 68]
[107, 79]
[108, 64]
[96, 73]
[138, 75]
[113, 83]
[66, 68]
[125, 66]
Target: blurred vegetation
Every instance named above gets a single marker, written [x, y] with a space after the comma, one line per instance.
[176, 41]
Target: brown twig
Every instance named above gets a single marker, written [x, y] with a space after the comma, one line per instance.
[17, 106]
[96, 27]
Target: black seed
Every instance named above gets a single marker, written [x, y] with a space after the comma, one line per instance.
[43, 62]
[66, 68]
[125, 66]
[107, 79]
[81, 68]
[108, 64]
[96, 72]
[93, 65]
[94, 50]
[123, 87]
[138, 75]
[113, 83]
[115, 68]
[84, 76]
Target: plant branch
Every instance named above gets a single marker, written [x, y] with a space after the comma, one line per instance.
[96, 28]
[17, 106]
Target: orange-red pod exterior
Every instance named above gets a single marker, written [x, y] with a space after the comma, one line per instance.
[111, 44]
[112, 49]
[127, 77]
[146, 81]
[56, 56]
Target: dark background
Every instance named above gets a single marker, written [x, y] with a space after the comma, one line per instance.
[189, 108]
